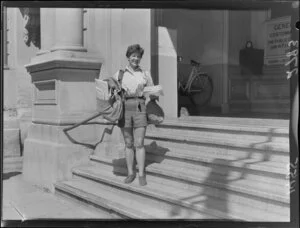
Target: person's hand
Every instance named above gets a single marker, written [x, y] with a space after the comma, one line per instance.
[153, 97]
[113, 84]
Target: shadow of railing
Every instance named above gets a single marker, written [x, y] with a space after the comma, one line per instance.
[206, 200]
[218, 201]
[91, 146]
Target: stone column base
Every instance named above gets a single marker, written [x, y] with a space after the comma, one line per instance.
[45, 165]
[50, 154]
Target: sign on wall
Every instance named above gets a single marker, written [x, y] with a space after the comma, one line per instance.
[278, 35]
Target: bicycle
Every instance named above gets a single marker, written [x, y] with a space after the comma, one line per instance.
[199, 86]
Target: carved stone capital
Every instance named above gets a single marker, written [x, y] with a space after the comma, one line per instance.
[32, 27]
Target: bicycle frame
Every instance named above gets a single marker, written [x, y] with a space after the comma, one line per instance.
[195, 72]
[198, 86]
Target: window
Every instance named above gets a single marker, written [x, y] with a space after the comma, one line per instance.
[5, 41]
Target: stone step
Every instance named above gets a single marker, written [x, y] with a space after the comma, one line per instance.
[210, 151]
[248, 125]
[118, 200]
[228, 175]
[89, 195]
[257, 165]
[180, 198]
[219, 167]
[256, 190]
[233, 123]
[239, 134]
[264, 144]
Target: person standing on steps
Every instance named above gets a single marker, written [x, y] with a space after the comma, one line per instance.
[134, 121]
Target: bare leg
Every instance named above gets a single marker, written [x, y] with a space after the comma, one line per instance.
[139, 134]
[129, 152]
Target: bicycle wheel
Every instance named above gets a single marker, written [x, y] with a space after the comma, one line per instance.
[201, 89]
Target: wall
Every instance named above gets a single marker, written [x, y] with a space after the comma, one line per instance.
[258, 31]
[136, 29]
[239, 33]
[109, 33]
[17, 82]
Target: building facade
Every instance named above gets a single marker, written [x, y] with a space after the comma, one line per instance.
[212, 37]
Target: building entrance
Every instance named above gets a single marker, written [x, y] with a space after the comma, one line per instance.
[214, 39]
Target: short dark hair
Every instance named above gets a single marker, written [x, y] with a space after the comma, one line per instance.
[135, 48]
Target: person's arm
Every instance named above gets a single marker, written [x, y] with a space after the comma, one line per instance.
[149, 79]
[113, 81]
[150, 83]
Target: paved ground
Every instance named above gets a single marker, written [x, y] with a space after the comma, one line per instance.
[25, 201]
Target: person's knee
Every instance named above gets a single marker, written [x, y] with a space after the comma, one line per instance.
[139, 143]
[129, 145]
[138, 147]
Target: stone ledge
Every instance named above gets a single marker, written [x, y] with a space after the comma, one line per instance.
[64, 59]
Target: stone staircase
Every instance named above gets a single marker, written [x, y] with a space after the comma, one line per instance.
[197, 168]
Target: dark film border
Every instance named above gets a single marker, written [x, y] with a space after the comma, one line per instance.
[184, 4]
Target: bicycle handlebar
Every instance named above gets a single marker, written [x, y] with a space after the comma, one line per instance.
[192, 62]
[195, 63]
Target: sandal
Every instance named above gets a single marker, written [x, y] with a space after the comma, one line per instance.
[142, 180]
[129, 179]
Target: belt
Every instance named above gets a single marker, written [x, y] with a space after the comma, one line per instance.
[142, 97]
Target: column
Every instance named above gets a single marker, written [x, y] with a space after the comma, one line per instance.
[167, 70]
[47, 18]
[69, 29]
[63, 94]
[225, 62]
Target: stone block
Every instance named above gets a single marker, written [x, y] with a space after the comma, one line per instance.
[47, 162]
[25, 122]
[11, 122]
[64, 89]
[63, 93]
[50, 154]
[12, 164]
[11, 142]
[112, 145]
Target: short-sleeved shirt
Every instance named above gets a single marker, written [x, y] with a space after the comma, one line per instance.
[134, 82]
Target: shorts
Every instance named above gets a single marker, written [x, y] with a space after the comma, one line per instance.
[134, 114]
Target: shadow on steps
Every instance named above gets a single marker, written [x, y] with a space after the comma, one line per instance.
[203, 197]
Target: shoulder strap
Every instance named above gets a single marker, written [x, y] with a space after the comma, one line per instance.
[120, 76]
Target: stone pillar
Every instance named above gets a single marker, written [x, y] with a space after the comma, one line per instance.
[69, 30]
[225, 61]
[63, 93]
[167, 70]
[47, 29]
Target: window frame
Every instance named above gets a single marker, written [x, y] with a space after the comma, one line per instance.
[5, 39]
